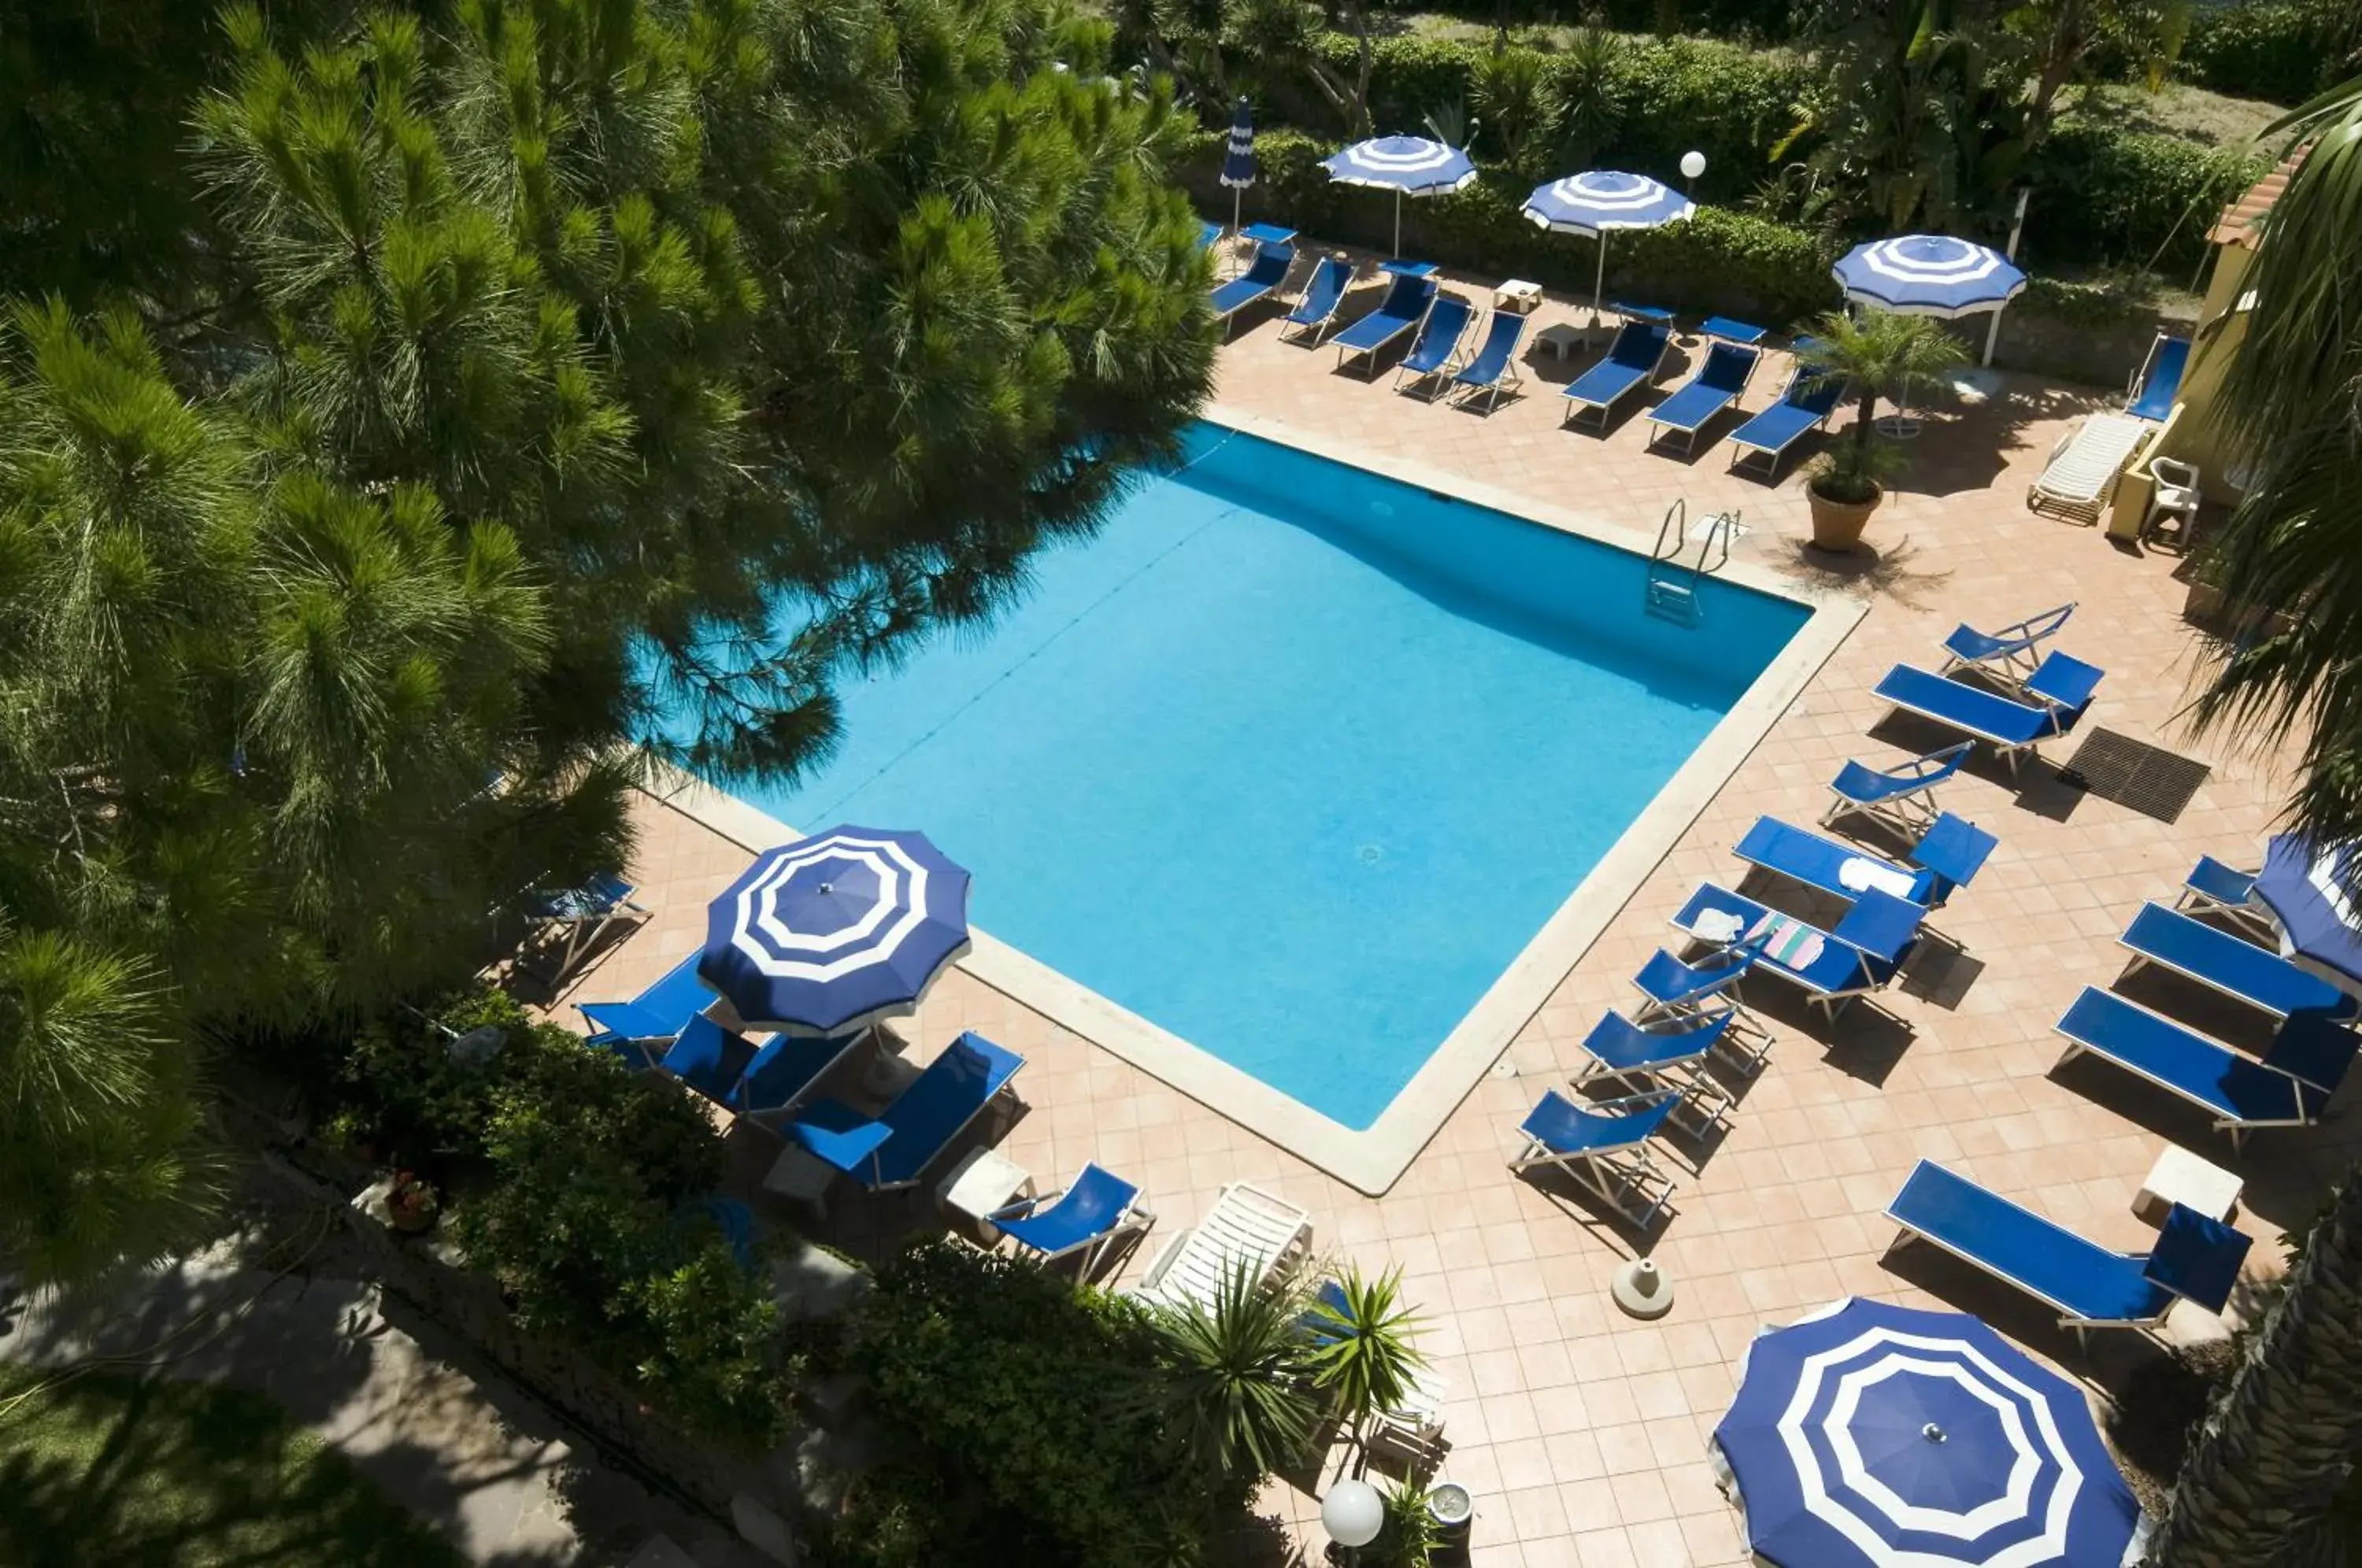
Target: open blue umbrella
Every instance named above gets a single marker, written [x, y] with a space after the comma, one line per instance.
[1599, 200]
[1873, 1436]
[1929, 274]
[1406, 165]
[2305, 885]
[1238, 158]
[835, 931]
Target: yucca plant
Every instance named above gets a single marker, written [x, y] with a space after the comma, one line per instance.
[1362, 1351]
[1238, 1376]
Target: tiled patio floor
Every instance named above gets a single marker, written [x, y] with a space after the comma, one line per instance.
[1581, 1432]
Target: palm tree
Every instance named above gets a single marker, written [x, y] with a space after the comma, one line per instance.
[1236, 1369]
[1878, 354]
[2270, 1463]
[1363, 1353]
[2266, 1472]
[2288, 408]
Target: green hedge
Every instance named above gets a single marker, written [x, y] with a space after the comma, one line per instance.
[2283, 50]
[1721, 260]
[2111, 196]
[1666, 99]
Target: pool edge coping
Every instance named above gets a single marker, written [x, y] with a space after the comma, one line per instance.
[1372, 1160]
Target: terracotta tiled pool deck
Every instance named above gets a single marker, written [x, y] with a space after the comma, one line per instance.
[1582, 1432]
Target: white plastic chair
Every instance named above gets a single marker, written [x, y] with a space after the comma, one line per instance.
[2176, 496]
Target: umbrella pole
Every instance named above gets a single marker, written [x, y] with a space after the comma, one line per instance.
[1236, 191]
[1599, 281]
[1992, 334]
[1397, 253]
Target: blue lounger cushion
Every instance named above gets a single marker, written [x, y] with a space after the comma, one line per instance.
[1672, 985]
[1438, 338]
[1568, 1129]
[2012, 726]
[1715, 388]
[1807, 400]
[1861, 952]
[1860, 786]
[1269, 270]
[659, 1012]
[784, 1070]
[2232, 965]
[2239, 1092]
[1323, 292]
[2081, 1279]
[894, 1148]
[2218, 885]
[709, 1058]
[1632, 360]
[1407, 300]
[1093, 1208]
[1968, 645]
[2068, 684]
[1621, 1046]
[1493, 369]
[2163, 382]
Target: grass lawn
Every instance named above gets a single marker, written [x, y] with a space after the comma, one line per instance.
[114, 1471]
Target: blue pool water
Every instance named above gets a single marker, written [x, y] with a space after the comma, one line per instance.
[1293, 760]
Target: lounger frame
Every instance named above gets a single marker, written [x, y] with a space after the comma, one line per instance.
[2142, 960]
[1135, 1221]
[1625, 1177]
[2238, 1127]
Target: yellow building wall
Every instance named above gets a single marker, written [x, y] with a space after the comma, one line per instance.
[2188, 436]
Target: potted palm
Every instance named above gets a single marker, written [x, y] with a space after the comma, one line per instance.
[1875, 355]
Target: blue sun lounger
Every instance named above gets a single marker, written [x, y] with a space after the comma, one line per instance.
[575, 920]
[1946, 859]
[2291, 1087]
[1605, 1148]
[1858, 955]
[1672, 1054]
[1902, 798]
[1267, 272]
[1207, 233]
[2213, 888]
[1805, 404]
[1633, 362]
[785, 1069]
[1090, 1217]
[1494, 369]
[2195, 1259]
[2159, 380]
[2008, 654]
[2063, 686]
[1432, 356]
[1323, 294]
[1718, 384]
[1401, 311]
[2231, 965]
[658, 1014]
[894, 1148]
[1707, 988]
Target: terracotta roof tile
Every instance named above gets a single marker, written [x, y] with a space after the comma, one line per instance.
[2237, 226]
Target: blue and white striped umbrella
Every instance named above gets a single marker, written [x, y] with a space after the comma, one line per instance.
[2306, 888]
[835, 931]
[1873, 1436]
[1929, 274]
[1599, 200]
[1406, 165]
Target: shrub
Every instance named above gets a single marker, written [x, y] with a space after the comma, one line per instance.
[2105, 194]
[2285, 50]
[400, 1086]
[1037, 1409]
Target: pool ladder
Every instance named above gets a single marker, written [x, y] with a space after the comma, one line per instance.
[1672, 584]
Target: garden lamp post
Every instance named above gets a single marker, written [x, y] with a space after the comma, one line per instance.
[1353, 1514]
[1692, 165]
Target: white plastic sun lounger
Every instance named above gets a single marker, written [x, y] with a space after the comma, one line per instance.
[2084, 465]
[1247, 1228]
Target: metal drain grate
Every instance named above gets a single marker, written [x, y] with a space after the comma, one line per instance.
[2146, 778]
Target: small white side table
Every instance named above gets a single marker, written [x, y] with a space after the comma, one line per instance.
[1561, 339]
[2180, 1176]
[980, 1183]
[800, 1177]
[1518, 296]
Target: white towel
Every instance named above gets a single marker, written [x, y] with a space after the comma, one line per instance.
[1716, 925]
[1862, 875]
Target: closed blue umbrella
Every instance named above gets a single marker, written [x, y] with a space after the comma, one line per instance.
[1599, 200]
[1238, 158]
[1874, 1436]
[1406, 165]
[835, 931]
[2305, 885]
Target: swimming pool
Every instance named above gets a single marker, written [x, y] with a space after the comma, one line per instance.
[1292, 761]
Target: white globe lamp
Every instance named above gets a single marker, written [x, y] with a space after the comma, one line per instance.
[1352, 1513]
[1693, 164]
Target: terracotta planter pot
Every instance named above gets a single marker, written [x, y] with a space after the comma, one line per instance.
[1837, 524]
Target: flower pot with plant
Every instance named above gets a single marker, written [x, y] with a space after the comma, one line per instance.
[1875, 355]
[412, 1204]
